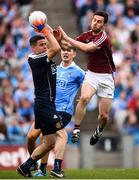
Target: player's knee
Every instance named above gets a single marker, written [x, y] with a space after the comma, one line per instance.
[103, 116]
[62, 135]
[50, 142]
[84, 99]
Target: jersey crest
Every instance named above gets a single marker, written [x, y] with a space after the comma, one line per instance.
[53, 68]
[61, 83]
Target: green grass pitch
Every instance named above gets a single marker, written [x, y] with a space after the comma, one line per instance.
[83, 174]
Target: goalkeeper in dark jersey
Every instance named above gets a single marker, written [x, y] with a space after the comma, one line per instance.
[44, 77]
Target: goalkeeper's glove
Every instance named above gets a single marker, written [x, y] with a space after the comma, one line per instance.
[38, 25]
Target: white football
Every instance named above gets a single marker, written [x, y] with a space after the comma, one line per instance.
[37, 15]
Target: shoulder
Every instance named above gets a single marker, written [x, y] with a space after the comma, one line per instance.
[79, 74]
[84, 36]
[88, 33]
[102, 38]
[78, 69]
[36, 56]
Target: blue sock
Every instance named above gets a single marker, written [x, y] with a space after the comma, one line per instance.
[43, 167]
[57, 164]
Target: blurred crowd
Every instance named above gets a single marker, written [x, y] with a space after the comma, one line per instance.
[123, 29]
[16, 86]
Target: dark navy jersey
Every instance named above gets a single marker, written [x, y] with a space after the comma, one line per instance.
[44, 77]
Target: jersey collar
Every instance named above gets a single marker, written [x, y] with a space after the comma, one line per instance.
[72, 64]
[34, 56]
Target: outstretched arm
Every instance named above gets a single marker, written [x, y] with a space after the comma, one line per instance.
[86, 47]
[46, 30]
[54, 46]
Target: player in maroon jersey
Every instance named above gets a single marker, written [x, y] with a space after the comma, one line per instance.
[99, 76]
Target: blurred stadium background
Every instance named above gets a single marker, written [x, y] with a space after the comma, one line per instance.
[119, 146]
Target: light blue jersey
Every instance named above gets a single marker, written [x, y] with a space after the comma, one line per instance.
[69, 80]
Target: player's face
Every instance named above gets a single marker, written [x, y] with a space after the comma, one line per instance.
[97, 24]
[41, 46]
[67, 54]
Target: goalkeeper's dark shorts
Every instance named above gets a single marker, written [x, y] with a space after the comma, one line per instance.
[48, 119]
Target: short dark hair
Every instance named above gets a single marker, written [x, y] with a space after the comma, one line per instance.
[33, 40]
[103, 14]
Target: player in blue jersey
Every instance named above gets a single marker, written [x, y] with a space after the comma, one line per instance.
[47, 119]
[69, 79]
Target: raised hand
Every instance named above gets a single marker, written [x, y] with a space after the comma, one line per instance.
[38, 25]
[64, 35]
[57, 34]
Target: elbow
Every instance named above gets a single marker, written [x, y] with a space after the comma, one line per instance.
[53, 51]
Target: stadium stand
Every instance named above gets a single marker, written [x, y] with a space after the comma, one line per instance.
[16, 90]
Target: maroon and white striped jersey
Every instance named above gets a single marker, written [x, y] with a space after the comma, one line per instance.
[99, 61]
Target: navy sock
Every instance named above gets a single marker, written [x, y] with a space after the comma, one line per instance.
[43, 167]
[28, 163]
[35, 162]
[76, 126]
[57, 164]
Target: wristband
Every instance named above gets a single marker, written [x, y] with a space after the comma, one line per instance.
[45, 31]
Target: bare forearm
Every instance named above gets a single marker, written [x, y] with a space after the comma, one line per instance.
[82, 46]
[53, 42]
[54, 46]
[86, 47]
